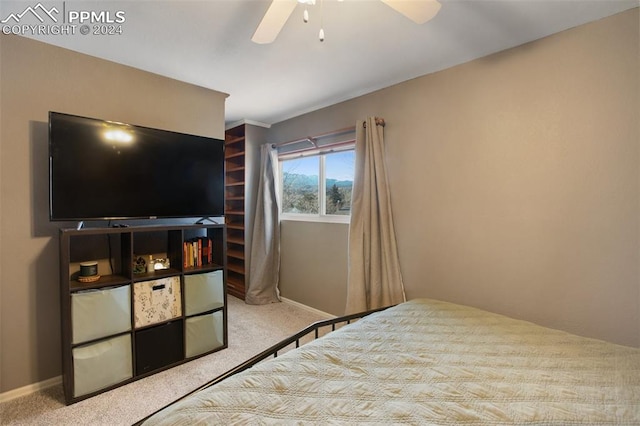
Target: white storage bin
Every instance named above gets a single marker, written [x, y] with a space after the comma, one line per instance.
[203, 292]
[156, 301]
[100, 313]
[102, 364]
[204, 333]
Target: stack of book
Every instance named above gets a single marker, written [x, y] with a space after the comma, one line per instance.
[197, 252]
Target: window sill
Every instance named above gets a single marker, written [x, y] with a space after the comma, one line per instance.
[314, 218]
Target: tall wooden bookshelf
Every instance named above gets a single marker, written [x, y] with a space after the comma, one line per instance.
[235, 186]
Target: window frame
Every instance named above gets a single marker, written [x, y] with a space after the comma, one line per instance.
[322, 216]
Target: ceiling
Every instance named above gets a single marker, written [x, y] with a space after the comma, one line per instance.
[368, 45]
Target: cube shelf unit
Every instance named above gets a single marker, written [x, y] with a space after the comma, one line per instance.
[234, 206]
[133, 321]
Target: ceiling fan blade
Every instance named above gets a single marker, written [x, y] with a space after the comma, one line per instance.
[419, 11]
[273, 21]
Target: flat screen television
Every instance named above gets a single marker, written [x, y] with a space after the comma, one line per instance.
[103, 170]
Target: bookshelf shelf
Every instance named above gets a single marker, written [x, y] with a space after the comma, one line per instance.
[234, 155]
[236, 169]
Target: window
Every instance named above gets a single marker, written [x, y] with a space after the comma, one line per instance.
[318, 186]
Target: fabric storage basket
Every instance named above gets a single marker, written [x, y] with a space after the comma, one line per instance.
[100, 313]
[102, 364]
[204, 333]
[203, 292]
[156, 301]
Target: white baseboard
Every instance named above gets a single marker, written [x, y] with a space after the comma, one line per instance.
[307, 308]
[29, 389]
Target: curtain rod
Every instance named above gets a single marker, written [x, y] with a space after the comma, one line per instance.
[313, 139]
[324, 149]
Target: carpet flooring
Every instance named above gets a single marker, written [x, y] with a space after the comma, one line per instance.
[251, 330]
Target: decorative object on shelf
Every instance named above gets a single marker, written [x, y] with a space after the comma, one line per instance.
[139, 265]
[161, 263]
[89, 269]
[90, 279]
[88, 272]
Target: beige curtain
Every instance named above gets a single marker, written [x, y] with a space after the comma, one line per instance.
[265, 246]
[374, 269]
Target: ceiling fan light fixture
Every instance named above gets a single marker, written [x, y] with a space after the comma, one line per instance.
[305, 14]
[418, 11]
[273, 21]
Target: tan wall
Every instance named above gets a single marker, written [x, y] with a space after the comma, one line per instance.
[314, 264]
[37, 78]
[515, 182]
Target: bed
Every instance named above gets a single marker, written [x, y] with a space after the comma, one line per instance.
[428, 362]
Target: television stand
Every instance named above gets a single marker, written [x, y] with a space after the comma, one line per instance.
[206, 218]
[128, 321]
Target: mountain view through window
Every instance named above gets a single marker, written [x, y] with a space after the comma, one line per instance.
[318, 185]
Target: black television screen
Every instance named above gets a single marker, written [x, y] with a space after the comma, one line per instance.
[106, 170]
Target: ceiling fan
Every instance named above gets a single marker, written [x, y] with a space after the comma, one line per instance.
[419, 11]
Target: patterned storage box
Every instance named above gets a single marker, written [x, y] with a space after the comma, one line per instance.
[156, 301]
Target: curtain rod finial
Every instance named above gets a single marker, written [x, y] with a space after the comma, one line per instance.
[378, 120]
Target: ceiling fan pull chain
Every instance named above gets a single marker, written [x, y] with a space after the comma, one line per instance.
[321, 33]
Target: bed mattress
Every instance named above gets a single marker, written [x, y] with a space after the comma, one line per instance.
[429, 362]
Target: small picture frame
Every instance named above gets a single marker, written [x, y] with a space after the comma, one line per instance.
[139, 265]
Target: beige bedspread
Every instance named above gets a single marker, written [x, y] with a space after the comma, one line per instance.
[430, 362]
